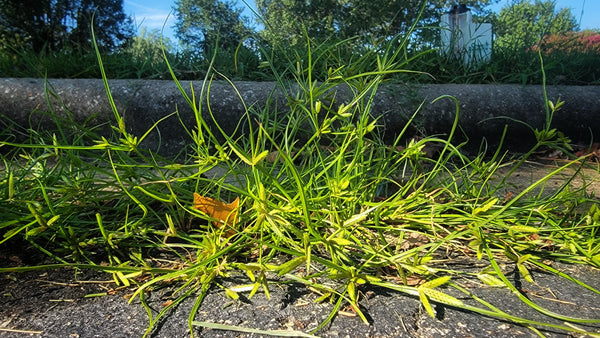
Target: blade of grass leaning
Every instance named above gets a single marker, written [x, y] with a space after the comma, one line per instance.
[522, 297]
[276, 333]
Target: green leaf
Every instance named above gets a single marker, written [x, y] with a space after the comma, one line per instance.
[490, 280]
[231, 294]
[257, 332]
[254, 289]
[259, 157]
[371, 126]
[524, 258]
[372, 279]
[53, 219]
[510, 254]
[11, 186]
[343, 110]
[290, 265]
[426, 304]
[341, 241]
[265, 286]
[35, 231]
[165, 198]
[359, 217]
[522, 228]
[426, 290]
[436, 282]
[351, 288]
[525, 272]
[485, 207]
[441, 297]
[241, 154]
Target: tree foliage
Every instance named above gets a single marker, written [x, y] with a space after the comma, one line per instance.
[522, 24]
[286, 20]
[202, 23]
[112, 26]
[51, 25]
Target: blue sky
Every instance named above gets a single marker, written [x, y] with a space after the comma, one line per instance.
[152, 13]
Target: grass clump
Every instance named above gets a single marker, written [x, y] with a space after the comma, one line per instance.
[570, 60]
[323, 201]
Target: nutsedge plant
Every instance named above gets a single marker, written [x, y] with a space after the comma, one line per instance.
[322, 199]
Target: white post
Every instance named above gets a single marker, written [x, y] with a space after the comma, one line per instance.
[470, 42]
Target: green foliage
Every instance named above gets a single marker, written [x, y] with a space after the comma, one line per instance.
[214, 27]
[204, 24]
[569, 58]
[150, 46]
[342, 32]
[285, 20]
[522, 24]
[54, 25]
[53, 37]
[371, 21]
[146, 52]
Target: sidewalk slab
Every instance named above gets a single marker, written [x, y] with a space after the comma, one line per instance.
[483, 110]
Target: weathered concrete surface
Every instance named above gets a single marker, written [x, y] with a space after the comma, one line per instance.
[484, 109]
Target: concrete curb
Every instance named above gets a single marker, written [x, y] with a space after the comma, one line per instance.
[484, 109]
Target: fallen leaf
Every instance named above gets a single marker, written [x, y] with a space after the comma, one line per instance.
[221, 212]
[508, 197]
[593, 152]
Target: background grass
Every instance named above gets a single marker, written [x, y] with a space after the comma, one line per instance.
[507, 65]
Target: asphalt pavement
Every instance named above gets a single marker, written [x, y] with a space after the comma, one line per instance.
[69, 303]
